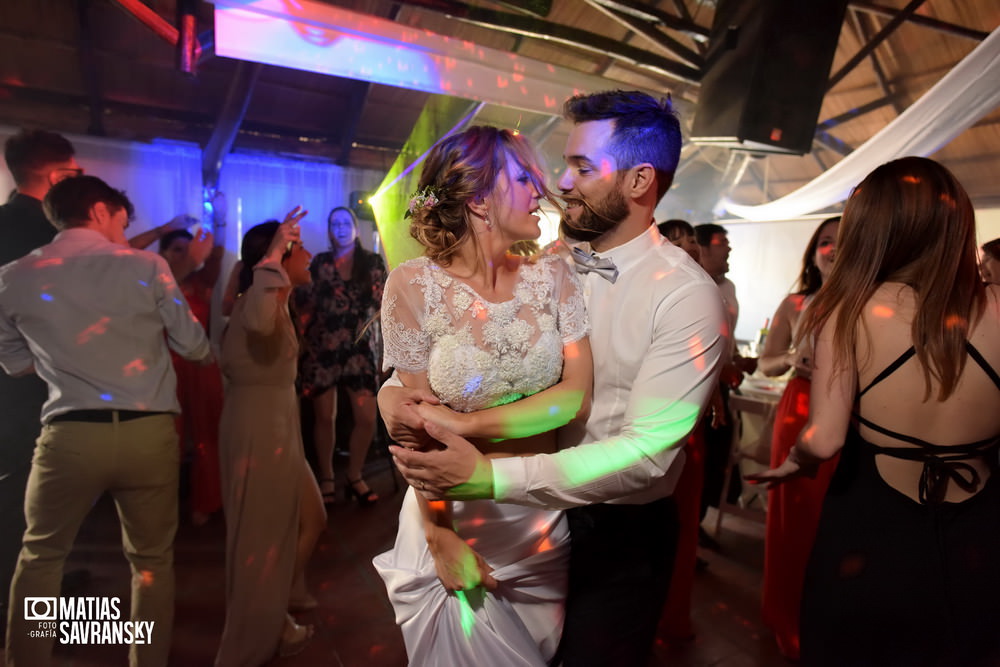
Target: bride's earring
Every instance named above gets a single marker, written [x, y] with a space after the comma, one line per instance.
[486, 220]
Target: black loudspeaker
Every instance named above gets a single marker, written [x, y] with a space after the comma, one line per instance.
[360, 205]
[766, 73]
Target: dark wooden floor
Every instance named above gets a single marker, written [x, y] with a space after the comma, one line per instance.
[354, 622]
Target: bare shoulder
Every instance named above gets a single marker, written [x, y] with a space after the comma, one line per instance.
[987, 330]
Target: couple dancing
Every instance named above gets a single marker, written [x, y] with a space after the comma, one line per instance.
[495, 348]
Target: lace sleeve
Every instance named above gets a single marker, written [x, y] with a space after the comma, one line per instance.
[406, 344]
[573, 321]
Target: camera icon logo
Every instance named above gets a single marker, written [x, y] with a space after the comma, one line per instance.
[40, 609]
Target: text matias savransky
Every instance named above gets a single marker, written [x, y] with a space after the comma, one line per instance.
[85, 620]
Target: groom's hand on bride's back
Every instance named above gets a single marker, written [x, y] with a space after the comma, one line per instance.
[455, 470]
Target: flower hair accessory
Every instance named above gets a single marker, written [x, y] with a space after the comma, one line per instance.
[423, 199]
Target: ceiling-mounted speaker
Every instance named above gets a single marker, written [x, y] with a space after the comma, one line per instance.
[766, 73]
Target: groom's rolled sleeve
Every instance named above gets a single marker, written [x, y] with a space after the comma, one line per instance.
[642, 462]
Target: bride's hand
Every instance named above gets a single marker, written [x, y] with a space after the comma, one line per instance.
[442, 415]
[458, 566]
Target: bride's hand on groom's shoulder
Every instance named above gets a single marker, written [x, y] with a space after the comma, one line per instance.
[458, 566]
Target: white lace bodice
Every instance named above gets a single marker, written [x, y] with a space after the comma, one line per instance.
[479, 354]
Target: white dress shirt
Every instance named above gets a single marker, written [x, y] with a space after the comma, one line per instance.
[657, 339]
[95, 319]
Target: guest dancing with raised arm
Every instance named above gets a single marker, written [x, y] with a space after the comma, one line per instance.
[337, 308]
[903, 569]
[199, 386]
[501, 340]
[793, 508]
[274, 513]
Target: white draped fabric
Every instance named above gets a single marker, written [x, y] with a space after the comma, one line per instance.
[262, 187]
[967, 93]
[162, 178]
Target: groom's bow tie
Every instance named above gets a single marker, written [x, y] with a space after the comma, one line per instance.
[602, 266]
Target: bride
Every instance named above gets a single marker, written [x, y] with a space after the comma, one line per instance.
[501, 341]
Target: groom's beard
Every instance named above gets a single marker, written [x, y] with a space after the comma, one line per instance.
[596, 219]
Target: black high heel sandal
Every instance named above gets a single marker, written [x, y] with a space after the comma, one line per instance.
[329, 497]
[364, 498]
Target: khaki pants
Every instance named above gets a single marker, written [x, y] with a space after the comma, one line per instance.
[137, 462]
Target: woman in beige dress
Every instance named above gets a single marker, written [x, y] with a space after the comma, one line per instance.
[274, 513]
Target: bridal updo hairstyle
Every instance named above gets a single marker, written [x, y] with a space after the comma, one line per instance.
[462, 167]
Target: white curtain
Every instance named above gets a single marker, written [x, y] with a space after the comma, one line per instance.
[162, 178]
[264, 187]
[967, 93]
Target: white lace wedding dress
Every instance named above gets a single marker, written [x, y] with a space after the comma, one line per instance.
[479, 354]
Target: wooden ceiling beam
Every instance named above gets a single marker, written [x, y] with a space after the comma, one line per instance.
[564, 35]
[868, 107]
[917, 19]
[834, 144]
[873, 44]
[865, 34]
[88, 69]
[657, 16]
[651, 33]
[227, 125]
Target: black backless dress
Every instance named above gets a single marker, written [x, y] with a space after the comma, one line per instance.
[895, 582]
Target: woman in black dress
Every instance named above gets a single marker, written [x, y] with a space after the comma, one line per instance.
[904, 567]
[338, 313]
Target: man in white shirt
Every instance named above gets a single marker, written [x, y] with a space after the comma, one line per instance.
[93, 318]
[657, 337]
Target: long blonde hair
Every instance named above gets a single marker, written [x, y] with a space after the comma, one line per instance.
[909, 221]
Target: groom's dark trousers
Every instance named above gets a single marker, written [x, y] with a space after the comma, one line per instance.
[621, 561]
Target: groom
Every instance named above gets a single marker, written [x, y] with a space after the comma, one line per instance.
[658, 334]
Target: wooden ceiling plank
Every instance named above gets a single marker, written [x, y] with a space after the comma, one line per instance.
[917, 19]
[873, 44]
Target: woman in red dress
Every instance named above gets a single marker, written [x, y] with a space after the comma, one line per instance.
[793, 508]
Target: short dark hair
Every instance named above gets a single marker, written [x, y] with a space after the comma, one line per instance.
[645, 130]
[253, 248]
[30, 150]
[172, 236]
[69, 201]
[705, 231]
[675, 228]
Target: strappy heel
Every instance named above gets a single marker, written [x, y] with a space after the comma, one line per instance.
[364, 498]
[329, 497]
